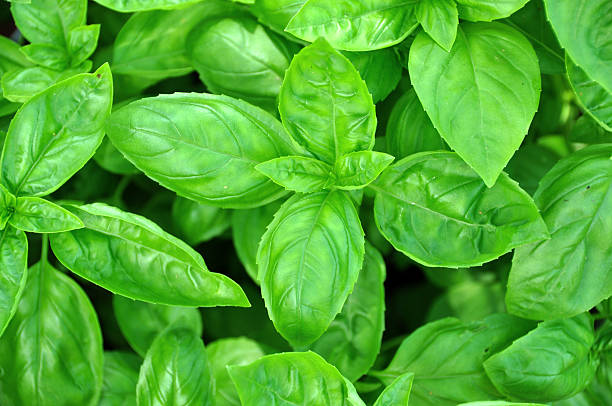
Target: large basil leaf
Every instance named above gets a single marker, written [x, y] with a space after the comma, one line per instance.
[51, 352]
[55, 133]
[298, 173]
[436, 209]
[226, 352]
[446, 358]
[309, 259]
[131, 256]
[37, 215]
[14, 265]
[439, 19]
[141, 322]
[488, 10]
[523, 371]
[583, 28]
[193, 143]
[152, 44]
[355, 26]
[130, 6]
[247, 228]
[120, 378]
[409, 129]
[595, 100]
[481, 116]
[379, 69]
[325, 105]
[398, 392]
[571, 272]
[197, 222]
[238, 57]
[300, 378]
[175, 372]
[352, 341]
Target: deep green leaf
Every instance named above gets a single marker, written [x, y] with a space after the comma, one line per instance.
[358, 169]
[198, 222]
[298, 173]
[530, 163]
[14, 266]
[119, 379]
[587, 131]
[36, 215]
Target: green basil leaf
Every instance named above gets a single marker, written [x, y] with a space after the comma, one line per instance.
[469, 301]
[352, 341]
[265, 381]
[379, 69]
[82, 42]
[434, 208]
[55, 133]
[197, 222]
[51, 352]
[20, 85]
[248, 226]
[524, 372]
[530, 163]
[325, 105]
[353, 398]
[141, 322]
[49, 21]
[569, 273]
[119, 379]
[175, 372]
[110, 159]
[11, 56]
[478, 100]
[14, 265]
[587, 131]
[409, 129]
[163, 54]
[358, 169]
[48, 55]
[7, 206]
[532, 23]
[130, 6]
[193, 143]
[237, 57]
[223, 353]
[583, 29]
[36, 215]
[131, 256]
[297, 173]
[309, 259]
[398, 392]
[276, 14]
[488, 10]
[362, 26]
[595, 100]
[439, 19]
[446, 358]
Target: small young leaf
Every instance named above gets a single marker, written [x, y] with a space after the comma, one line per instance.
[82, 42]
[398, 392]
[14, 265]
[36, 215]
[297, 173]
[439, 19]
[358, 169]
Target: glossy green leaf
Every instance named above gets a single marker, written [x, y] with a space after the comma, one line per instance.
[130, 6]
[358, 169]
[14, 266]
[47, 55]
[298, 173]
[131, 256]
[109, 158]
[309, 259]
[175, 372]
[434, 208]
[223, 353]
[239, 58]
[82, 42]
[152, 44]
[524, 372]
[352, 341]
[36, 215]
[439, 19]
[197, 222]
[49, 21]
[398, 392]
[409, 129]
[7, 206]
[379, 69]
[51, 352]
[480, 115]
[119, 379]
[355, 26]
[194, 143]
[55, 133]
[583, 28]
[446, 358]
[292, 378]
[595, 100]
[587, 131]
[142, 322]
[487, 10]
[325, 105]
[570, 273]
[247, 228]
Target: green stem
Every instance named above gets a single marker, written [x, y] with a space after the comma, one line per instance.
[121, 186]
[44, 251]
